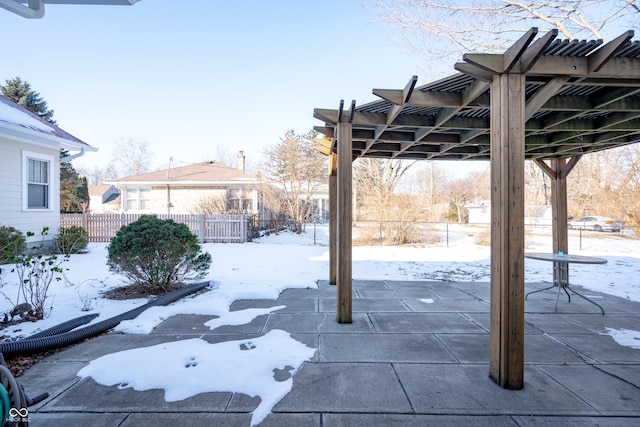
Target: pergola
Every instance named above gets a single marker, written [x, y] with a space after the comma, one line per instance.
[544, 99]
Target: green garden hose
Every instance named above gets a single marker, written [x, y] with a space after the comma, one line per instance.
[5, 404]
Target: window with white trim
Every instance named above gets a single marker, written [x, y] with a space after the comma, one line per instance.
[138, 199]
[37, 181]
[240, 201]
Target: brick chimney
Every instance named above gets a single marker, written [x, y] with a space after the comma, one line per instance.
[241, 161]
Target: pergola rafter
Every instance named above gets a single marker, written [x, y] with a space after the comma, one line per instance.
[546, 100]
[574, 90]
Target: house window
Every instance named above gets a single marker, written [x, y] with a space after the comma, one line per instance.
[37, 182]
[144, 198]
[239, 201]
[138, 199]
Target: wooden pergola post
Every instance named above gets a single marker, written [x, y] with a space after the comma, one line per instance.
[344, 215]
[559, 214]
[506, 354]
[333, 213]
[557, 171]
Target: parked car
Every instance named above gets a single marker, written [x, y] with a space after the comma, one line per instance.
[596, 223]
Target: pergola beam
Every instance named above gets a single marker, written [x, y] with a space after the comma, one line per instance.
[600, 57]
[543, 95]
[534, 51]
[516, 50]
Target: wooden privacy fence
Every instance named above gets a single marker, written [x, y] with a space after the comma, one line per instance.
[208, 228]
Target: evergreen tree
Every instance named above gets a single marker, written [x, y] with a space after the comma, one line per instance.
[21, 93]
[73, 188]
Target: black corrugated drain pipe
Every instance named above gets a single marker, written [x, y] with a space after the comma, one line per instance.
[64, 326]
[38, 343]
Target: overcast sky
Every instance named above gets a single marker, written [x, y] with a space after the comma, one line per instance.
[189, 76]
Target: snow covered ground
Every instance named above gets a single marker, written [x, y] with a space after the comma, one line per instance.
[261, 270]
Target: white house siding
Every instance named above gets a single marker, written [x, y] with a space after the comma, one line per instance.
[11, 210]
[184, 199]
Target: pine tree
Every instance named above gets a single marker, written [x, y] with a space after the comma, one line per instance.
[21, 93]
[73, 188]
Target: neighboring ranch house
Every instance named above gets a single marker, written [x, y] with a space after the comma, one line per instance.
[180, 190]
[30, 169]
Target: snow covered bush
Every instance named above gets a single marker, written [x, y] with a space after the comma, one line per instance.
[71, 240]
[157, 254]
[36, 272]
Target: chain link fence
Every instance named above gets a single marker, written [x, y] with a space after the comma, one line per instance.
[448, 233]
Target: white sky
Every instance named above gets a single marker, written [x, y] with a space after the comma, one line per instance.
[188, 367]
[191, 76]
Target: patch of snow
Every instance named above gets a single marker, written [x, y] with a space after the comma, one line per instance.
[625, 337]
[190, 367]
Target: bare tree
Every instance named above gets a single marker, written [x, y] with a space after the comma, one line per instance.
[212, 205]
[536, 184]
[132, 156]
[222, 204]
[474, 186]
[376, 182]
[604, 183]
[226, 158]
[379, 197]
[429, 191]
[630, 194]
[96, 175]
[297, 170]
[451, 28]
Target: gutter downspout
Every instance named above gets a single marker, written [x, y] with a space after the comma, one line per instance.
[35, 9]
[67, 159]
[169, 189]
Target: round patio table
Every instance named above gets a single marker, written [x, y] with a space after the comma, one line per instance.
[561, 272]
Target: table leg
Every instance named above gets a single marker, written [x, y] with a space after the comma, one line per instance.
[561, 273]
[538, 290]
[592, 302]
[561, 280]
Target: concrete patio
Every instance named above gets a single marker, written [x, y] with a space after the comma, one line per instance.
[402, 362]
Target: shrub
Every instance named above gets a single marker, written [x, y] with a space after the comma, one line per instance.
[157, 254]
[12, 243]
[36, 272]
[71, 240]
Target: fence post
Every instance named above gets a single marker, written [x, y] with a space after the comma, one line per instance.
[85, 225]
[580, 238]
[201, 227]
